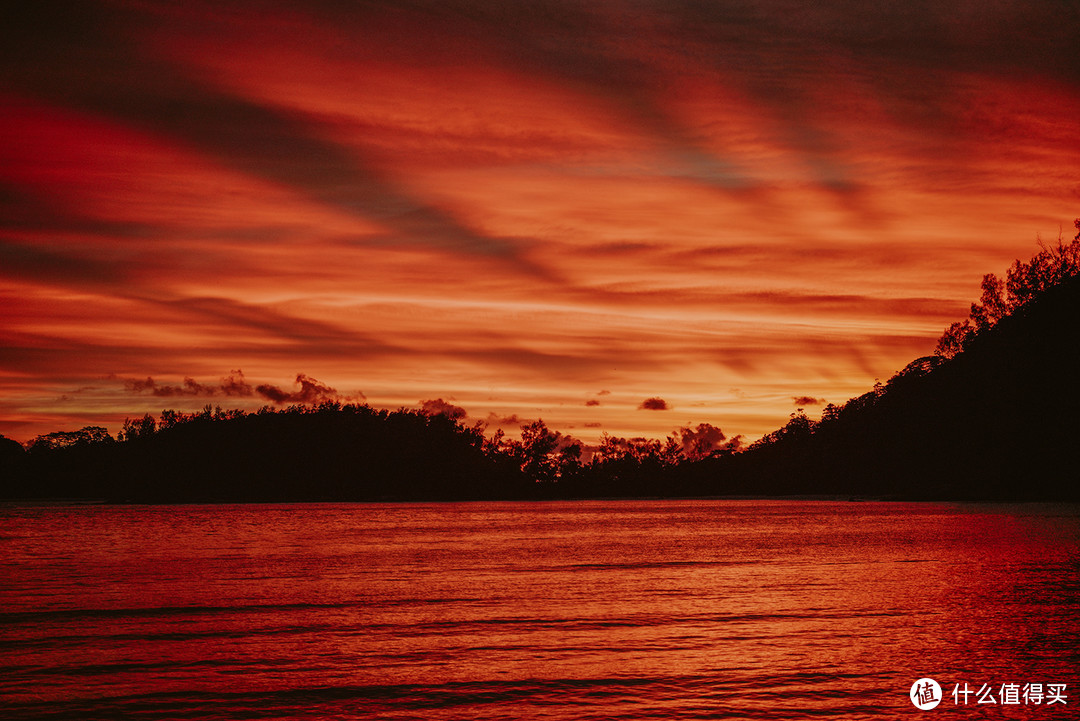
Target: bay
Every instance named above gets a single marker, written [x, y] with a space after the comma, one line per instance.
[554, 610]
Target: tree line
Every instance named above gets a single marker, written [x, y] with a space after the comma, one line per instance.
[339, 451]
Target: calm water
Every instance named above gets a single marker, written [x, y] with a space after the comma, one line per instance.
[577, 610]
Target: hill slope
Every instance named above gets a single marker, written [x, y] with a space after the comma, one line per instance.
[997, 421]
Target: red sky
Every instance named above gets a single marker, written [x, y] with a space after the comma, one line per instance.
[536, 210]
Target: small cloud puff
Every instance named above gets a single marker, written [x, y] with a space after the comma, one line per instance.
[654, 404]
[439, 407]
[311, 392]
[808, 401]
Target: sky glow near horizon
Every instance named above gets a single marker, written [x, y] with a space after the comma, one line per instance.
[531, 210]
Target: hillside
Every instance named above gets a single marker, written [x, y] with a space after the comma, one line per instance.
[997, 421]
[324, 453]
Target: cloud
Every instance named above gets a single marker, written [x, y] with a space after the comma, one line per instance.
[439, 407]
[511, 420]
[235, 385]
[807, 401]
[592, 402]
[654, 404]
[311, 392]
[232, 385]
[190, 387]
[271, 322]
[20, 261]
[86, 58]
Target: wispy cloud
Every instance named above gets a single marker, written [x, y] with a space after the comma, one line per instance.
[88, 59]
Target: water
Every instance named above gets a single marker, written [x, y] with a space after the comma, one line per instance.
[576, 610]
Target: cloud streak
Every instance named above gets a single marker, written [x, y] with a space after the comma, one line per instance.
[44, 49]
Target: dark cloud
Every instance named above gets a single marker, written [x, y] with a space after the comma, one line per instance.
[604, 393]
[519, 356]
[67, 267]
[249, 326]
[784, 55]
[311, 392]
[907, 55]
[86, 57]
[592, 402]
[439, 407]
[913, 56]
[596, 52]
[235, 385]
[807, 401]
[232, 385]
[302, 332]
[816, 303]
[494, 419]
[25, 209]
[654, 404]
[190, 387]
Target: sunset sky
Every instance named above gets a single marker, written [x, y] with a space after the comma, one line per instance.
[551, 209]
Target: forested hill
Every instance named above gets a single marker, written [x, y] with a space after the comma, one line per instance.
[325, 453]
[998, 420]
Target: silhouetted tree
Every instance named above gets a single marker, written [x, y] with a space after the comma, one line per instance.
[1023, 282]
[70, 439]
[146, 426]
[955, 339]
[11, 455]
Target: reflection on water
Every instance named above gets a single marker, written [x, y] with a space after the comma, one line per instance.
[576, 610]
